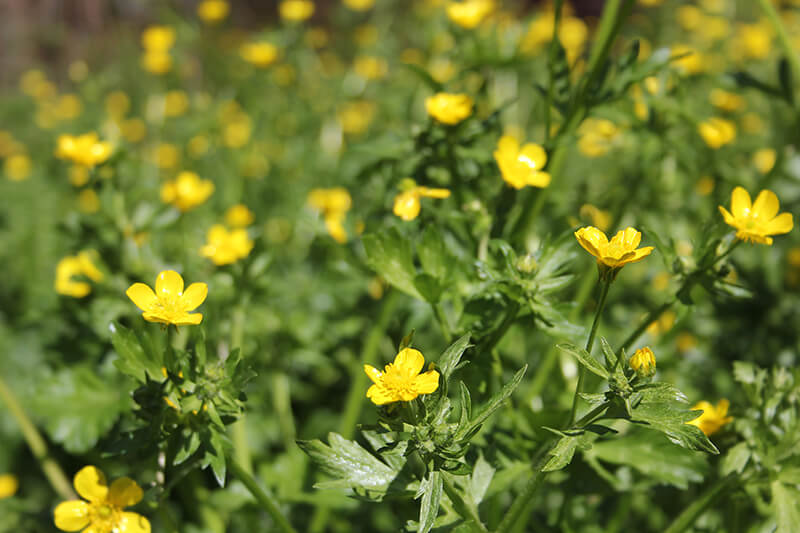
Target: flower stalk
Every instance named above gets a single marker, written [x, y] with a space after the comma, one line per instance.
[264, 498]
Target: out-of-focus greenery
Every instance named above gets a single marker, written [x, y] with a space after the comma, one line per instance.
[338, 215]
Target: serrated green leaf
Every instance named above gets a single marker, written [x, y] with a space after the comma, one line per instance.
[736, 459]
[389, 254]
[583, 357]
[561, 454]
[134, 360]
[485, 411]
[610, 355]
[450, 358]
[431, 488]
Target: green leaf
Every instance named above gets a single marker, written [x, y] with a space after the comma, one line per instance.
[787, 514]
[485, 411]
[736, 459]
[390, 255]
[561, 454]
[429, 287]
[449, 360]
[431, 489]
[134, 360]
[433, 254]
[653, 457]
[583, 357]
[479, 481]
[77, 406]
[611, 358]
[353, 466]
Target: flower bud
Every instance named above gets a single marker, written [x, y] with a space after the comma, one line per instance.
[643, 362]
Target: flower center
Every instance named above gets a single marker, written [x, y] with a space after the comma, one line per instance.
[398, 381]
[104, 518]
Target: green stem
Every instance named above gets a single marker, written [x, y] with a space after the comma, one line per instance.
[467, 510]
[443, 324]
[606, 284]
[239, 428]
[701, 503]
[772, 15]
[37, 445]
[264, 498]
[521, 506]
[551, 74]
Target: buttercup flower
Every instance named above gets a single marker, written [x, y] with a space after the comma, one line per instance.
[17, 167]
[521, 166]
[186, 191]
[169, 304]
[717, 132]
[643, 362]
[764, 159]
[713, 418]
[158, 38]
[469, 13]
[213, 11]
[86, 150]
[225, 247]
[757, 221]
[407, 204]
[449, 108]
[333, 204]
[296, 10]
[157, 61]
[597, 136]
[8, 485]
[239, 216]
[614, 254]
[70, 269]
[260, 55]
[726, 101]
[401, 381]
[103, 512]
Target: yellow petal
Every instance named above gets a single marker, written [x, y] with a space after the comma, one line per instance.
[132, 523]
[155, 317]
[124, 492]
[593, 240]
[406, 205]
[90, 483]
[729, 220]
[533, 156]
[539, 179]
[169, 284]
[627, 239]
[507, 146]
[427, 382]
[410, 361]
[373, 373]
[142, 295]
[740, 202]
[72, 515]
[782, 223]
[380, 395]
[722, 407]
[766, 205]
[188, 319]
[217, 234]
[433, 193]
[194, 295]
[640, 254]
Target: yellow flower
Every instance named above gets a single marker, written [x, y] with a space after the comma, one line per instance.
[355, 117]
[76, 266]
[8, 485]
[133, 129]
[754, 41]
[103, 512]
[764, 159]
[599, 218]
[17, 167]
[213, 11]
[86, 149]
[88, 201]
[359, 5]
[169, 304]
[175, 103]
[225, 247]
[616, 253]
[68, 107]
[726, 101]
[186, 191]
[717, 132]
[158, 38]
[643, 362]
[157, 61]
[755, 222]
[469, 13]
[260, 54]
[401, 381]
[370, 67]
[333, 204]
[691, 61]
[239, 216]
[407, 204]
[597, 136]
[449, 108]
[117, 104]
[713, 418]
[521, 166]
[296, 10]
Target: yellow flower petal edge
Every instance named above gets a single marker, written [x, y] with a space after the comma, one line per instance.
[713, 417]
[400, 380]
[756, 221]
[169, 304]
[616, 253]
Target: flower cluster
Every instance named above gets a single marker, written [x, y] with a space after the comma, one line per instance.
[86, 150]
[186, 191]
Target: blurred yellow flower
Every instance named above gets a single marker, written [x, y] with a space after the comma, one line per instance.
[133, 129]
[469, 13]
[572, 32]
[157, 61]
[17, 167]
[717, 132]
[158, 38]
[175, 103]
[599, 218]
[704, 186]
[521, 166]
[359, 5]
[407, 204]
[186, 191]
[87, 149]
[663, 323]
[236, 133]
[117, 104]
[757, 221]
[296, 10]
[616, 253]
[643, 362]
[259, 54]
[713, 418]
[754, 41]
[68, 107]
[224, 247]
[71, 269]
[726, 101]
[401, 380]
[103, 512]
[88, 201]
[239, 216]
[449, 108]
[169, 304]
[333, 204]
[8, 485]
[213, 11]
[596, 136]
[78, 71]
[167, 155]
[370, 67]
[78, 175]
[689, 59]
[764, 159]
[355, 117]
